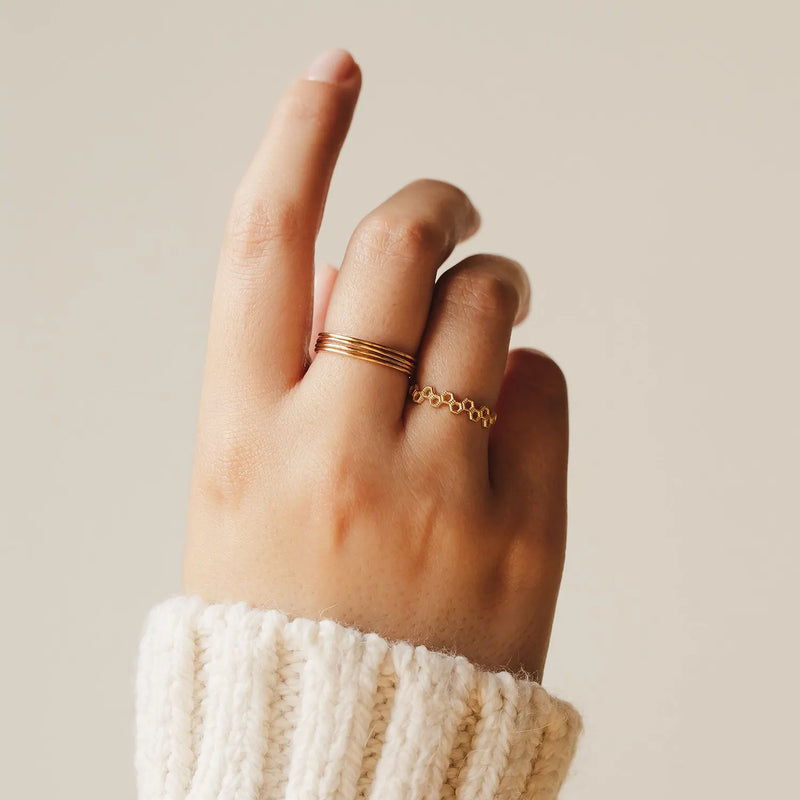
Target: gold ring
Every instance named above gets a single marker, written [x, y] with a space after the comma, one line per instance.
[484, 415]
[365, 351]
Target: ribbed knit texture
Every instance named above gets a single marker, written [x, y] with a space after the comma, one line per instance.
[236, 703]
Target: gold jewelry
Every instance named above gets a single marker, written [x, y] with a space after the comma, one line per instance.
[484, 415]
[366, 351]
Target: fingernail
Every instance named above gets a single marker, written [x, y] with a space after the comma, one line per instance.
[332, 66]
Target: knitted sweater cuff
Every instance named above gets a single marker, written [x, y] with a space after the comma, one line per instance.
[244, 703]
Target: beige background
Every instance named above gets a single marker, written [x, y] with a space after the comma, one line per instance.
[640, 158]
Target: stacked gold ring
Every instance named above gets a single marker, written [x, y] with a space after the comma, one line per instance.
[365, 351]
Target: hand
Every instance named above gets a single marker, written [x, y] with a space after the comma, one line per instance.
[318, 487]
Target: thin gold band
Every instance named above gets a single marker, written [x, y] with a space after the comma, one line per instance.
[365, 351]
[484, 415]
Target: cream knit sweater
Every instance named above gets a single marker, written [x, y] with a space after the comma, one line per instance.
[237, 703]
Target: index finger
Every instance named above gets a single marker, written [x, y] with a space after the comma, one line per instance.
[261, 311]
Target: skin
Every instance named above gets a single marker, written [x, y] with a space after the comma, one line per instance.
[317, 487]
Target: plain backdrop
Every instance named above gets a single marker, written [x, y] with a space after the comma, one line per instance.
[640, 158]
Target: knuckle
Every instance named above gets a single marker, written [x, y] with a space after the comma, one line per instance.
[542, 375]
[421, 236]
[550, 377]
[553, 377]
[482, 293]
[255, 226]
[402, 238]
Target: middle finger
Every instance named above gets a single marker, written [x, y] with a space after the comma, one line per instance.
[384, 288]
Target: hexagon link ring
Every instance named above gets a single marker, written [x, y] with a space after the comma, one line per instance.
[483, 415]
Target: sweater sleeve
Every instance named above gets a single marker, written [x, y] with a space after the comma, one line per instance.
[249, 704]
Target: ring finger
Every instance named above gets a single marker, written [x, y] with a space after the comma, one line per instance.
[465, 346]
